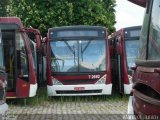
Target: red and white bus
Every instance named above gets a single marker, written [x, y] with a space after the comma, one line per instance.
[78, 61]
[19, 58]
[3, 80]
[124, 46]
[146, 78]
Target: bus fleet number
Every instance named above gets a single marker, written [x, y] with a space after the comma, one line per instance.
[94, 76]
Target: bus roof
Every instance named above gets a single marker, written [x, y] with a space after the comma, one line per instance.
[11, 20]
[124, 29]
[141, 3]
[78, 27]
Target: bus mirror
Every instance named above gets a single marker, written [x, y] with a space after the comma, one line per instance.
[118, 45]
[44, 40]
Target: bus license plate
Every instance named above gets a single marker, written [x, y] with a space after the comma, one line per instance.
[79, 88]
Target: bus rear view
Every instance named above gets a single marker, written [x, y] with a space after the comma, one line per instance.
[78, 61]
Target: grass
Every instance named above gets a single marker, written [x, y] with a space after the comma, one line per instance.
[41, 98]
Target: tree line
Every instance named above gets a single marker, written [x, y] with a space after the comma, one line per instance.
[44, 14]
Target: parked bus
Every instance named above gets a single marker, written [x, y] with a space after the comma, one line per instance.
[19, 58]
[3, 80]
[124, 46]
[78, 61]
[146, 89]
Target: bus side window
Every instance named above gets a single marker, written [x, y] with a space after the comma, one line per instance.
[22, 59]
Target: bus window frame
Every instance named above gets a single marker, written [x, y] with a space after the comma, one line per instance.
[24, 37]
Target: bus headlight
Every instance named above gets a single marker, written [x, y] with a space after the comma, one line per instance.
[102, 80]
[56, 82]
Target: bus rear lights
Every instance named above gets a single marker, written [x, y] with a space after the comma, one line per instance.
[56, 82]
[102, 80]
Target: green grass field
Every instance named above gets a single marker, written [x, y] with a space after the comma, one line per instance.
[41, 98]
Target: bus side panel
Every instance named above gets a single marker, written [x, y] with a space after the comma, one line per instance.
[109, 78]
[48, 73]
[22, 88]
[124, 61]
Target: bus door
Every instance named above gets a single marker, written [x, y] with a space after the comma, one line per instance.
[16, 60]
[118, 64]
[8, 37]
[3, 75]
[112, 44]
[36, 49]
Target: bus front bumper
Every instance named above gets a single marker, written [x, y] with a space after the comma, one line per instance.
[33, 90]
[79, 90]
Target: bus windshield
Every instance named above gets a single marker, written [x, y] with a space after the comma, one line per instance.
[131, 51]
[78, 55]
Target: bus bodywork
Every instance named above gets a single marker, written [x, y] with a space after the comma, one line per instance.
[78, 61]
[3, 80]
[146, 78]
[19, 59]
[124, 46]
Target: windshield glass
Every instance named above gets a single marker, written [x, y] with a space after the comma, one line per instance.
[64, 56]
[92, 55]
[78, 56]
[131, 51]
[154, 39]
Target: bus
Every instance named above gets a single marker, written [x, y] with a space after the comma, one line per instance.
[123, 45]
[145, 96]
[78, 61]
[19, 58]
[3, 80]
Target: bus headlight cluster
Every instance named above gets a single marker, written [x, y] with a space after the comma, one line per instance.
[102, 80]
[56, 82]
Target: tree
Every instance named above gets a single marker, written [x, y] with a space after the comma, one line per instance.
[3, 8]
[44, 14]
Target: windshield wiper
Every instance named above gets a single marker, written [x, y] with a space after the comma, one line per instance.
[72, 50]
[83, 50]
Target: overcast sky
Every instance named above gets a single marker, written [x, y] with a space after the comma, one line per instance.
[128, 14]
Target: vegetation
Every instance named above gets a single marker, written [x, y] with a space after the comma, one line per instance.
[44, 14]
[3, 8]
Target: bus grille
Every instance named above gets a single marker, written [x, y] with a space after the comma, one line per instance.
[2, 94]
[77, 92]
[79, 82]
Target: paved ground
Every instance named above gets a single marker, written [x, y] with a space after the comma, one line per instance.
[70, 110]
